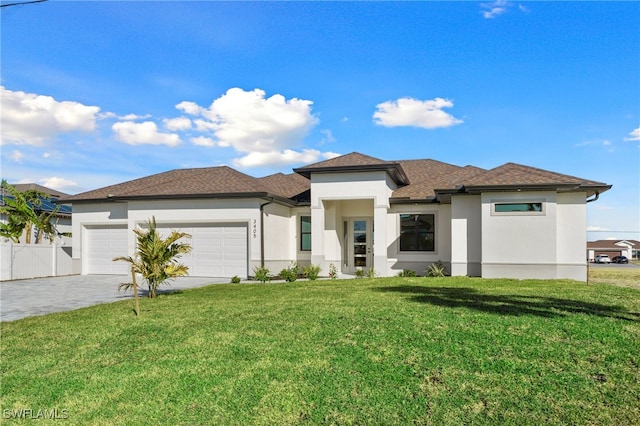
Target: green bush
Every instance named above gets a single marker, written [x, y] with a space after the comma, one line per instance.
[435, 270]
[311, 271]
[408, 273]
[359, 273]
[262, 274]
[235, 279]
[371, 273]
[290, 274]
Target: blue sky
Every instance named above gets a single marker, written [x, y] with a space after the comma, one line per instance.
[97, 93]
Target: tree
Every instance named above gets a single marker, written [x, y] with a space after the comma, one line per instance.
[156, 259]
[20, 210]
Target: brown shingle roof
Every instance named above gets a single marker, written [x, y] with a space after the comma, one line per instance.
[347, 160]
[517, 174]
[427, 175]
[34, 186]
[610, 244]
[181, 182]
[416, 179]
[288, 186]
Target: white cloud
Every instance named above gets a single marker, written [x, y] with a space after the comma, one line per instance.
[634, 135]
[277, 159]
[31, 119]
[133, 117]
[327, 137]
[177, 124]
[61, 184]
[17, 156]
[190, 108]
[596, 229]
[144, 133]
[413, 112]
[494, 9]
[203, 141]
[251, 123]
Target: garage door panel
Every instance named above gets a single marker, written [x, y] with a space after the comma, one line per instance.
[218, 250]
[102, 244]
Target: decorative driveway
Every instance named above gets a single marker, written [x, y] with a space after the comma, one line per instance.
[39, 296]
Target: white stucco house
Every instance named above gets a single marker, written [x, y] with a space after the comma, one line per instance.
[353, 211]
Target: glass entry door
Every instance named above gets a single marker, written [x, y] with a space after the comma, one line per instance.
[360, 237]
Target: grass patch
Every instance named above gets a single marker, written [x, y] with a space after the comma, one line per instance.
[615, 275]
[442, 351]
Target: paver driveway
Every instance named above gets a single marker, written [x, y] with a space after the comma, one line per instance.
[39, 296]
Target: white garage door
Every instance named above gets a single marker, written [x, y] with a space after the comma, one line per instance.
[218, 250]
[102, 244]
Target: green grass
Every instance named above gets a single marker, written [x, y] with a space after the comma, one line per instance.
[441, 351]
[615, 275]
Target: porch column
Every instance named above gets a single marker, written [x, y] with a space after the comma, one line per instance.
[317, 236]
[380, 241]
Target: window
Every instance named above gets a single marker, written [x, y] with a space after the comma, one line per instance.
[508, 208]
[305, 233]
[417, 232]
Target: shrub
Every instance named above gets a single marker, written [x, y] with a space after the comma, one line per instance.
[262, 274]
[333, 272]
[371, 273]
[311, 271]
[235, 279]
[435, 270]
[408, 273]
[290, 274]
[359, 273]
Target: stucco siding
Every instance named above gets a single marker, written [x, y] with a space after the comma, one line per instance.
[418, 261]
[466, 235]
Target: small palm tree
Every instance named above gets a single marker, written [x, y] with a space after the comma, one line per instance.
[156, 259]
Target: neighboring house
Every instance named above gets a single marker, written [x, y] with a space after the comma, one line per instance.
[613, 248]
[62, 217]
[353, 211]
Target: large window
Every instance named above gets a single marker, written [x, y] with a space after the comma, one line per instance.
[417, 232]
[518, 208]
[305, 233]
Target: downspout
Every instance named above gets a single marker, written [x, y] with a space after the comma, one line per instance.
[262, 230]
[597, 195]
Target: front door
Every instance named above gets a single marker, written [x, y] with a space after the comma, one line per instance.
[360, 244]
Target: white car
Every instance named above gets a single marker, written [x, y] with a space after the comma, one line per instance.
[603, 258]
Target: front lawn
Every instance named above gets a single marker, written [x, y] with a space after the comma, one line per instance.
[441, 351]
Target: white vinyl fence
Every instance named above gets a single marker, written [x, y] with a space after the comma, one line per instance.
[20, 261]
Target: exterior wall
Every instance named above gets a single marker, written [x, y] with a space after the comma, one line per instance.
[93, 214]
[466, 236]
[418, 261]
[303, 258]
[543, 245]
[358, 191]
[279, 238]
[278, 223]
[572, 236]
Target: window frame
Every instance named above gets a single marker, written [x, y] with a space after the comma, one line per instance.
[302, 233]
[541, 212]
[433, 232]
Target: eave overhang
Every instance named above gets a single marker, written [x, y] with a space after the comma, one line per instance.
[444, 195]
[393, 169]
[215, 196]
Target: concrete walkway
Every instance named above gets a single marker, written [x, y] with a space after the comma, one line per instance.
[39, 296]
